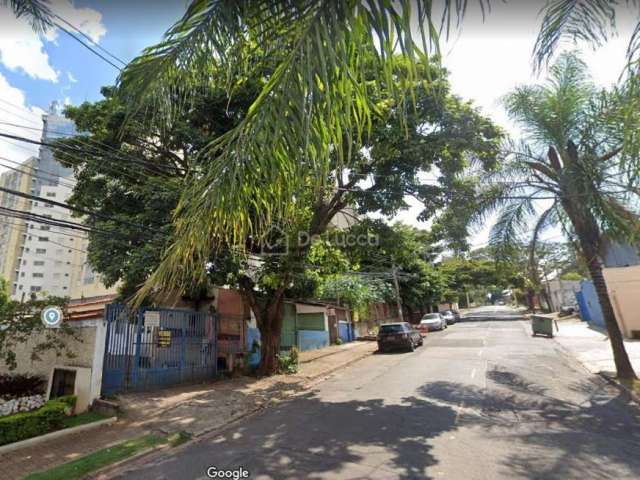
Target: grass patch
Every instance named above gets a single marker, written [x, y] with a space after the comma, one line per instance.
[178, 438]
[94, 461]
[82, 419]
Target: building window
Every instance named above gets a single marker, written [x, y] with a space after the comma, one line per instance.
[45, 227]
[35, 289]
[43, 239]
[38, 263]
[41, 251]
[51, 194]
[38, 275]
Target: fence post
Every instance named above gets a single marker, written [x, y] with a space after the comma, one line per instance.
[136, 363]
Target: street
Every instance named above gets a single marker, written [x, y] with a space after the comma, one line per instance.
[481, 400]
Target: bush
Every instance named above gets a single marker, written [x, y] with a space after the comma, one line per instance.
[288, 363]
[47, 418]
[16, 386]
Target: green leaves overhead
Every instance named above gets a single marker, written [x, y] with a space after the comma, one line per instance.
[320, 63]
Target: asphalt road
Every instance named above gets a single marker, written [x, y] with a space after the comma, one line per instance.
[481, 400]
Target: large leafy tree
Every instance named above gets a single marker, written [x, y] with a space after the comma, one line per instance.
[577, 168]
[330, 70]
[130, 175]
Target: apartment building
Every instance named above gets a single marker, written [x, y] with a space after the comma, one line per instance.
[12, 230]
[34, 257]
[45, 264]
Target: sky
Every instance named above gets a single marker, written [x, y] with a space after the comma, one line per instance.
[486, 58]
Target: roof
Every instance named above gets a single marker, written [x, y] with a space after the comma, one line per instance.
[88, 308]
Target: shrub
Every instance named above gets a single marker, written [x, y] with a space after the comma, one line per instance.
[288, 363]
[15, 386]
[47, 418]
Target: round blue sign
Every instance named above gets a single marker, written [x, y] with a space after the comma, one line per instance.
[52, 317]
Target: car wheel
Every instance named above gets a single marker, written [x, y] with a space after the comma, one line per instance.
[412, 346]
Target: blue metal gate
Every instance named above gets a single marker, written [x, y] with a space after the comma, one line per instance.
[345, 331]
[151, 348]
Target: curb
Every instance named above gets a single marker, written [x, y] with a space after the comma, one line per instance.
[320, 376]
[119, 469]
[623, 388]
[98, 474]
[29, 442]
[337, 351]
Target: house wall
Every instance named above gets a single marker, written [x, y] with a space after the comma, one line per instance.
[82, 350]
[623, 284]
[562, 292]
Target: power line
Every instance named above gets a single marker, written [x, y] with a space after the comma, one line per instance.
[83, 211]
[97, 45]
[88, 47]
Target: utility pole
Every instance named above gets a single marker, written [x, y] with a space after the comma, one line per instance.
[395, 284]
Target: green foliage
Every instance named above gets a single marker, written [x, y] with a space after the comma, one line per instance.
[573, 276]
[21, 322]
[45, 419]
[574, 166]
[289, 362]
[137, 208]
[80, 467]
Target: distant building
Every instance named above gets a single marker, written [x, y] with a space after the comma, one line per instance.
[13, 230]
[37, 258]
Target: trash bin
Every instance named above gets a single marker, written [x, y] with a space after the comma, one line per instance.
[542, 325]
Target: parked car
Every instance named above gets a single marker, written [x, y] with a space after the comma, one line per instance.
[433, 321]
[449, 317]
[398, 335]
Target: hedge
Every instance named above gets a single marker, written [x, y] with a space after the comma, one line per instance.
[45, 419]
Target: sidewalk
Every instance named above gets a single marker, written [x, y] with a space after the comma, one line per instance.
[194, 409]
[591, 347]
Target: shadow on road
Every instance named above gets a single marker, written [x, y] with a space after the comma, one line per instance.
[546, 437]
[555, 439]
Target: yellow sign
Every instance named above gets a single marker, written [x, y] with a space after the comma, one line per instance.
[164, 338]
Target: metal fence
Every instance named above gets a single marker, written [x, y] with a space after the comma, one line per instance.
[152, 348]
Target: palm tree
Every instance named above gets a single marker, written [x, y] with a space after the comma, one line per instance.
[577, 169]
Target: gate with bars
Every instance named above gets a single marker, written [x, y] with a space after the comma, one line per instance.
[153, 348]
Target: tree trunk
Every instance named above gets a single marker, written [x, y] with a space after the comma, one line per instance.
[269, 319]
[621, 358]
[589, 237]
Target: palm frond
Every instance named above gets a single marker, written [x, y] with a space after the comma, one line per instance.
[36, 12]
[320, 62]
[511, 223]
[547, 219]
[589, 20]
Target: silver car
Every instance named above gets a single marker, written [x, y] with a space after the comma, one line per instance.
[433, 321]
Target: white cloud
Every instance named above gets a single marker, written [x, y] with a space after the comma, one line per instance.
[87, 20]
[71, 78]
[14, 109]
[22, 49]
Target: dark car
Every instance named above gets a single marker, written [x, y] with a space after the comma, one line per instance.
[452, 316]
[398, 335]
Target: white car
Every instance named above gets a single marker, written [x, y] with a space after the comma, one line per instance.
[433, 321]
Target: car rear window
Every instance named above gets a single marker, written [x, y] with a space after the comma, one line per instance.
[432, 316]
[391, 329]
